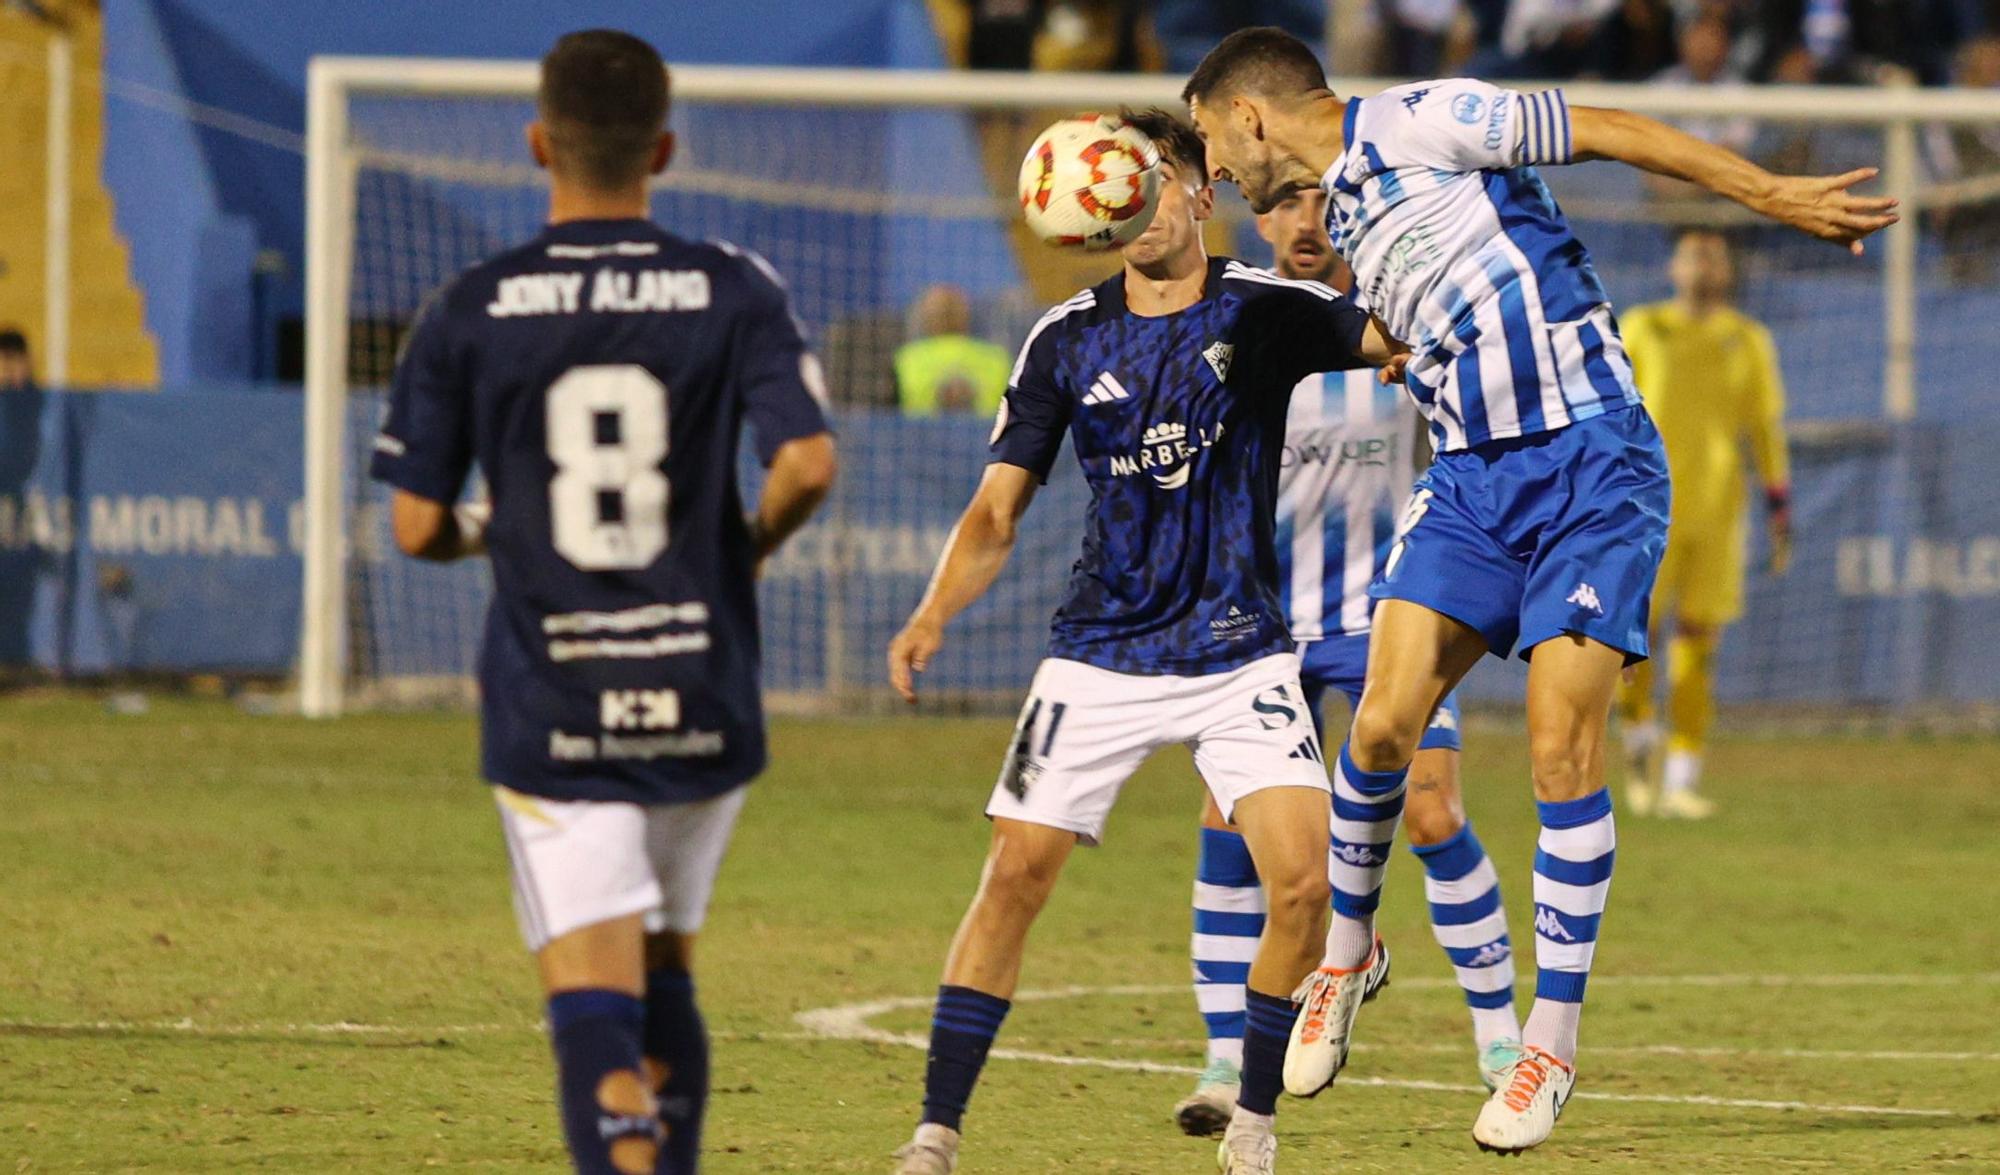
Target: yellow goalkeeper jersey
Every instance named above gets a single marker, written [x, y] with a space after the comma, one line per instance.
[1711, 384]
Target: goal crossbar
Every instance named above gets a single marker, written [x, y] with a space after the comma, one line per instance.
[334, 162]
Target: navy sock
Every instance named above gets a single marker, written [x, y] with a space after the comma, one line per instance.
[677, 1040]
[962, 1030]
[1267, 1030]
[608, 1113]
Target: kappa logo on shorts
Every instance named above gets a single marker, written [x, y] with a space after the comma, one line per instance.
[1442, 719]
[1585, 596]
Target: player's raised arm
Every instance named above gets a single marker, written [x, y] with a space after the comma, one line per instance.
[1819, 205]
[972, 559]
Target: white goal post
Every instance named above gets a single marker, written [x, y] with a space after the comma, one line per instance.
[409, 176]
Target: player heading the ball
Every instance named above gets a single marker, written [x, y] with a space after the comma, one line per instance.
[1540, 524]
[1171, 380]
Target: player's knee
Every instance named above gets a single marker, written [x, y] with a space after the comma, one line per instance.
[1432, 822]
[1018, 881]
[1299, 898]
[1567, 769]
[1379, 741]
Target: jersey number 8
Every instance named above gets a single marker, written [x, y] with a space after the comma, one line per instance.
[607, 430]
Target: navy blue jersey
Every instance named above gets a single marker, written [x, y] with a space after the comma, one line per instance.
[600, 375]
[1178, 421]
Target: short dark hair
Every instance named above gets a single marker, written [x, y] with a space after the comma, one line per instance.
[1176, 140]
[603, 100]
[1265, 61]
[12, 341]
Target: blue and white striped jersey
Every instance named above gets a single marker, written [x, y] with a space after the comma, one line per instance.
[1457, 245]
[1343, 475]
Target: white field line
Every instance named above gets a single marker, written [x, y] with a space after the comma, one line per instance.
[333, 1028]
[1624, 1050]
[851, 1022]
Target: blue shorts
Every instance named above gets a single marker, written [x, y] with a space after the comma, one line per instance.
[1341, 662]
[1529, 538]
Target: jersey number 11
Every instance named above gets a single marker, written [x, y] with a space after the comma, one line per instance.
[607, 430]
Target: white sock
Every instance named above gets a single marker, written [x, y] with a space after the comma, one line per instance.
[1683, 772]
[1243, 1120]
[1348, 941]
[1491, 1024]
[1226, 1048]
[1552, 1025]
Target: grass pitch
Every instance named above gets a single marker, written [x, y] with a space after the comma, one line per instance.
[232, 943]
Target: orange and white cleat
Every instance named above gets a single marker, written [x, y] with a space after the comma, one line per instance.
[1523, 1112]
[1329, 1000]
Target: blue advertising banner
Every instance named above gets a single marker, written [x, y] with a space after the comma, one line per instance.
[143, 533]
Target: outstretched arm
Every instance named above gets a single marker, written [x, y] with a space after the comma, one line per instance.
[972, 559]
[1820, 206]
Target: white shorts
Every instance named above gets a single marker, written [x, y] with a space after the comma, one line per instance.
[1085, 730]
[580, 862]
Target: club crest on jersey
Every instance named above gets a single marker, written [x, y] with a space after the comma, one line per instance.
[1219, 355]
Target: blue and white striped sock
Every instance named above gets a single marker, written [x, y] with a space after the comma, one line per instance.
[1367, 807]
[1572, 877]
[1470, 923]
[1228, 921]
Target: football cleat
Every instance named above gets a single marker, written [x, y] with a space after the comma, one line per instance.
[1329, 999]
[1523, 1112]
[933, 1151]
[1497, 1061]
[1205, 1112]
[1248, 1147]
[1685, 805]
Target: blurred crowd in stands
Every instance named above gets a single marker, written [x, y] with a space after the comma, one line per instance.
[1938, 42]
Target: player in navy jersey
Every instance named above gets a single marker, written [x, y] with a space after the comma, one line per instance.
[1541, 522]
[1351, 449]
[600, 377]
[1171, 381]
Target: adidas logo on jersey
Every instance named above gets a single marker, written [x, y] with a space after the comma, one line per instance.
[1585, 596]
[1549, 926]
[1219, 355]
[1105, 389]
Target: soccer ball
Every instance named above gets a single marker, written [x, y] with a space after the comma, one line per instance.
[1090, 182]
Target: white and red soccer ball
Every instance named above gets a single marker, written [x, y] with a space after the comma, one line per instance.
[1090, 182]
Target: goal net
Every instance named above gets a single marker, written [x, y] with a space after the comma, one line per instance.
[865, 190]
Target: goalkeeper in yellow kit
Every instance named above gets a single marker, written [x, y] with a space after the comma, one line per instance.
[1709, 375]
